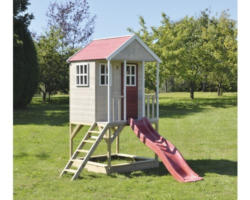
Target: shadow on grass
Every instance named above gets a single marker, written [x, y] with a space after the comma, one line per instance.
[201, 167]
[40, 156]
[183, 106]
[55, 113]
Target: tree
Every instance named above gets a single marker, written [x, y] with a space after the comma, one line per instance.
[150, 68]
[222, 34]
[53, 69]
[25, 58]
[70, 26]
[195, 52]
[74, 20]
[182, 49]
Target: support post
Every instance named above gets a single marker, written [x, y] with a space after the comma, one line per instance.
[125, 90]
[157, 90]
[70, 140]
[157, 129]
[117, 144]
[143, 90]
[109, 92]
[109, 150]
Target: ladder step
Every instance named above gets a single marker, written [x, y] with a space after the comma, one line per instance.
[82, 150]
[94, 137]
[70, 171]
[76, 160]
[89, 141]
[97, 132]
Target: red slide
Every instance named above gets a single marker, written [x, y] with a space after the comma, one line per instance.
[167, 152]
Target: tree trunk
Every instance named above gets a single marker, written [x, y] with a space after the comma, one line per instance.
[44, 97]
[219, 91]
[192, 90]
[49, 97]
[204, 84]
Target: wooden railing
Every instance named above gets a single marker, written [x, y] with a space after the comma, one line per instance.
[117, 108]
[150, 106]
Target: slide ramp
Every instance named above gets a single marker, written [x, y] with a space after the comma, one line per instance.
[167, 152]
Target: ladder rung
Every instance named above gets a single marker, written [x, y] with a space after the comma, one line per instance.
[70, 170]
[94, 137]
[76, 160]
[97, 132]
[89, 141]
[82, 150]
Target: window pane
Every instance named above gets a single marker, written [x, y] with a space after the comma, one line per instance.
[128, 80]
[77, 69]
[77, 80]
[85, 80]
[81, 71]
[85, 69]
[102, 69]
[132, 80]
[133, 69]
[81, 80]
[102, 80]
[128, 69]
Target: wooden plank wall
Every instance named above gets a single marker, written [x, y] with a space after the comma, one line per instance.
[82, 99]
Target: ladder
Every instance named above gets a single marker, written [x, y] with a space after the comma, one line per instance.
[93, 137]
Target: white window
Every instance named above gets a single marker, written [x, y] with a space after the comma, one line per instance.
[82, 75]
[131, 75]
[103, 74]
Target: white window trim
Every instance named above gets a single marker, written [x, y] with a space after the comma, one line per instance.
[105, 74]
[82, 75]
[131, 75]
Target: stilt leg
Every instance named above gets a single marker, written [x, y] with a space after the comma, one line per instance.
[70, 140]
[157, 129]
[117, 144]
[109, 150]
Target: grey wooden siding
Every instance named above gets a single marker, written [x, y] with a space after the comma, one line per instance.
[89, 104]
[82, 99]
[134, 52]
[101, 91]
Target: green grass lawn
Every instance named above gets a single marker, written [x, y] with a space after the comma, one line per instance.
[204, 130]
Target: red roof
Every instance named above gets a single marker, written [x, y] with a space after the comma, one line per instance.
[99, 49]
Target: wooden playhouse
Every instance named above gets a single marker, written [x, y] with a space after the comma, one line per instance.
[107, 87]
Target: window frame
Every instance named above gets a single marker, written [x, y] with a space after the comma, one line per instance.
[81, 74]
[105, 74]
[130, 75]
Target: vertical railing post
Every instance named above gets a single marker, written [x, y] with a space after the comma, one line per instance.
[153, 106]
[148, 103]
[157, 90]
[125, 90]
[109, 92]
[143, 90]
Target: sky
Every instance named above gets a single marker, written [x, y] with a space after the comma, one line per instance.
[115, 16]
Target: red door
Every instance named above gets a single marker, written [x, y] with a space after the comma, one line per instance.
[132, 90]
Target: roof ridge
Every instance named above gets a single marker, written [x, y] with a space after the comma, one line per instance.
[112, 37]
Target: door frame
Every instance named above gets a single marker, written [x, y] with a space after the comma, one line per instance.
[136, 86]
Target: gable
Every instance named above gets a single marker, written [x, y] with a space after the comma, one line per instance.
[134, 51]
